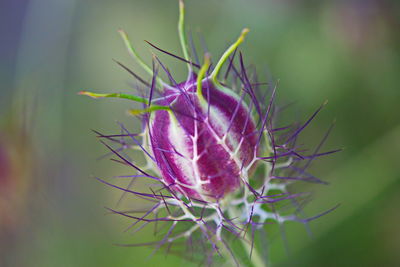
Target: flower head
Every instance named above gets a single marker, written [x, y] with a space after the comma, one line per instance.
[214, 149]
[202, 146]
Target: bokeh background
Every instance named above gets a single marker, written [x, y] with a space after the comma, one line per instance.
[51, 208]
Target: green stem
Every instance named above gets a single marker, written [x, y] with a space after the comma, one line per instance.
[116, 95]
[129, 97]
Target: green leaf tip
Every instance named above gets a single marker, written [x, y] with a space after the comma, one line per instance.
[226, 55]
[90, 94]
[133, 53]
[202, 74]
[115, 95]
[129, 97]
[182, 34]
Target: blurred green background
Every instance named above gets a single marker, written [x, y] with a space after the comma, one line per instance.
[345, 51]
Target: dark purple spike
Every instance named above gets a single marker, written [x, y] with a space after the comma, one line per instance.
[163, 219]
[286, 154]
[117, 135]
[173, 55]
[186, 115]
[300, 211]
[165, 203]
[255, 193]
[193, 48]
[274, 200]
[172, 80]
[254, 84]
[229, 221]
[203, 43]
[253, 230]
[324, 138]
[110, 138]
[232, 231]
[164, 240]
[202, 212]
[119, 161]
[132, 73]
[124, 153]
[321, 154]
[267, 113]
[144, 216]
[206, 229]
[231, 59]
[281, 128]
[162, 225]
[296, 133]
[249, 87]
[174, 151]
[237, 74]
[238, 105]
[144, 210]
[321, 214]
[128, 162]
[106, 155]
[305, 179]
[153, 82]
[131, 176]
[248, 119]
[137, 142]
[300, 157]
[248, 223]
[306, 174]
[275, 195]
[131, 182]
[273, 145]
[129, 191]
[100, 135]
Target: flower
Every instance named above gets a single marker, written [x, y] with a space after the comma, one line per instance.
[214, 149]
[202, 146]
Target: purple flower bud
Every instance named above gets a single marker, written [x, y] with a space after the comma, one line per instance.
[205, 144]
[201, 148]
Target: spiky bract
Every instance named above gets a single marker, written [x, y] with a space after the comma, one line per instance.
[218, 164]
